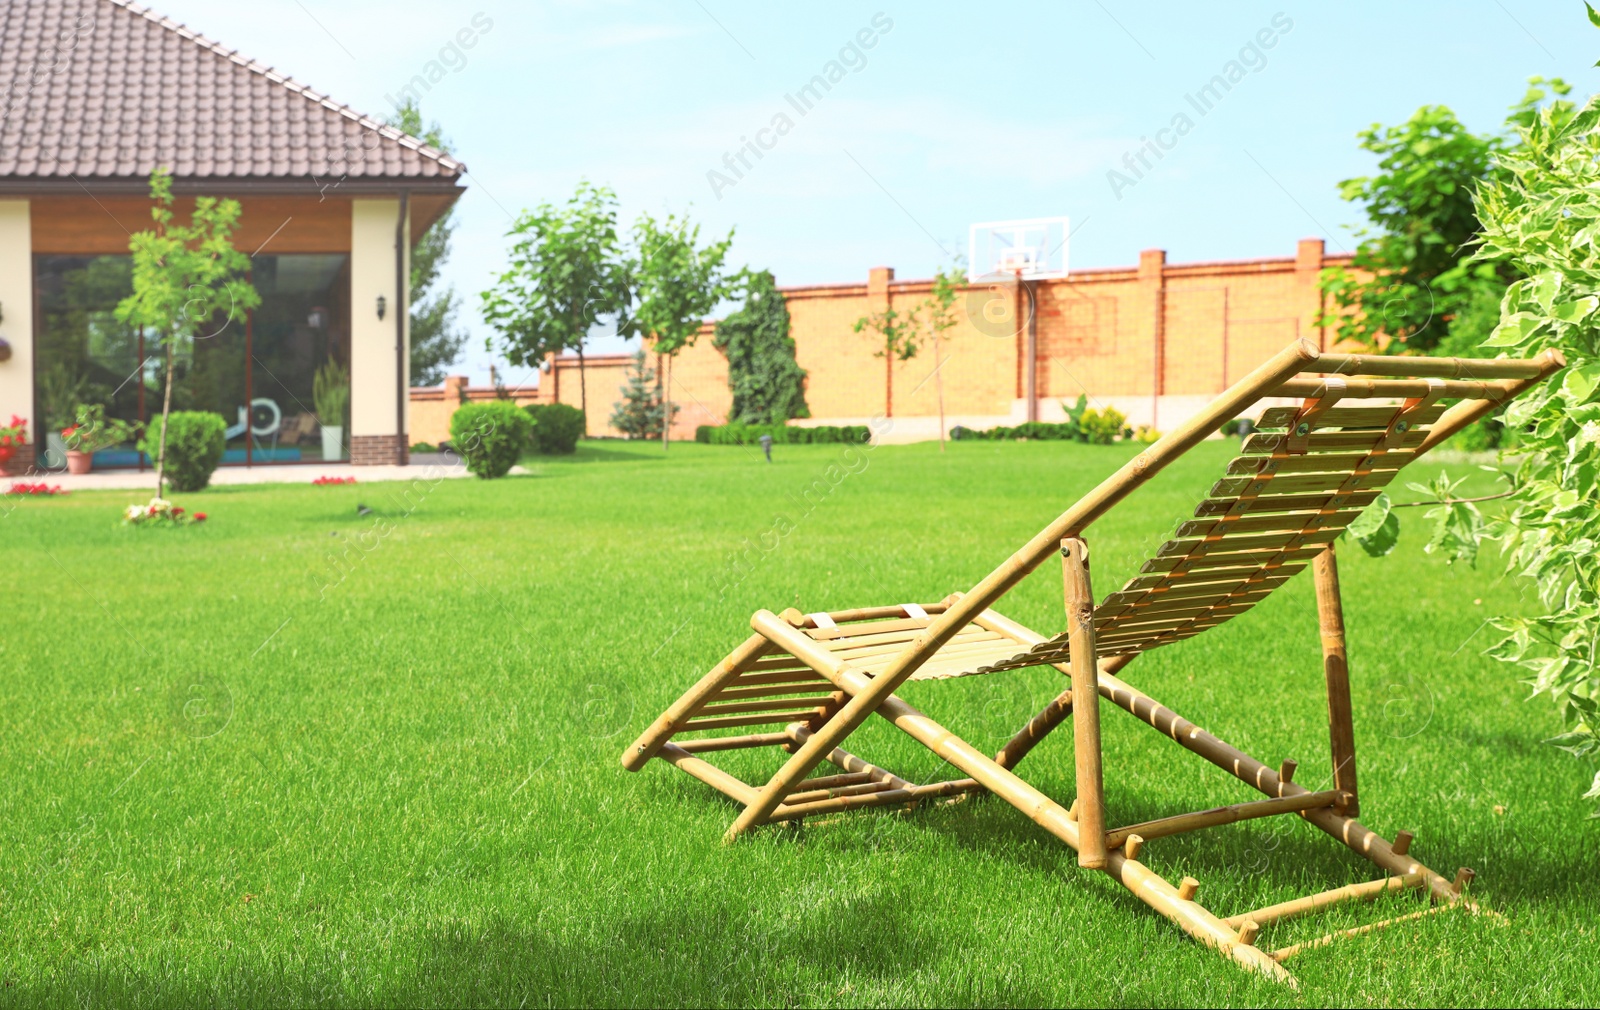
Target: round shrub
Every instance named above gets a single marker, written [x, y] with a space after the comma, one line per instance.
[556, 427]
[490, 436]
[195, 440]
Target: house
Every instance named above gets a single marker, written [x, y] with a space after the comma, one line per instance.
[96, 95]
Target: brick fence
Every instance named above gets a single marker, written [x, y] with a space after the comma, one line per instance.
[1156, 341]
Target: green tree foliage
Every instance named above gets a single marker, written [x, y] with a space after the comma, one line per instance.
[897, 332]
[677, 283]
[567, 271]
[188, 283]
[1414, 284]
[939, 308]
[1543, 217]
[641, 412]
[436, 341]
[768, 385]
[1540, 213]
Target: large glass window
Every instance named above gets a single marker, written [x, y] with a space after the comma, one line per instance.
[302, 328]
[83, 354]
[261, 375]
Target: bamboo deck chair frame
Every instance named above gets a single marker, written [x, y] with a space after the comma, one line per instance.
[1283, 503]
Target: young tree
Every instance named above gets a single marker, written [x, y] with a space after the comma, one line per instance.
[1414, 281]
[436, 341]
[567, 271]
[641, 413]
[768, 385]
[898, 333]
[677, 282]
[189, 282]
[940, 306]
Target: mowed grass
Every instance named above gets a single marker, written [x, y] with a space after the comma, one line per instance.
[237, 773]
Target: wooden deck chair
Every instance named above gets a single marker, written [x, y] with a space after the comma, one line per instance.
[1297, 483]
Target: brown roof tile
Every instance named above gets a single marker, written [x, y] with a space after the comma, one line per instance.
[108, 88]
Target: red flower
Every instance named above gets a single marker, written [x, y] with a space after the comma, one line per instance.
[69, 431]
[199, 517]
[177, 510]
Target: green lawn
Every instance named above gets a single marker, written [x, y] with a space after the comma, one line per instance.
[237, 772]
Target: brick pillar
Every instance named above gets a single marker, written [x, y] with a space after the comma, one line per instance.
[455, 389]
[878, 279]
[1153, 288]
[21, 462]
[1308, 257]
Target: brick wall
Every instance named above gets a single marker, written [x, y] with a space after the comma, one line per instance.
[378, 450]
[1156, 340]
[433, 406]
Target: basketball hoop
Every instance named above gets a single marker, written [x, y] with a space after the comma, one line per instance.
[1033, 249]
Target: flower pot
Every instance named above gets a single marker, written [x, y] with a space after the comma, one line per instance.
[332, 437]
[6, 452]
[79, 462]
[55, 451]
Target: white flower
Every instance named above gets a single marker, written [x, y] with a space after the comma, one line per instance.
[133, 513]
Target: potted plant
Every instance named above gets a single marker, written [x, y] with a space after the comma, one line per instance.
[61, 388]
[91, 432]
[11, 436]
[330, 392]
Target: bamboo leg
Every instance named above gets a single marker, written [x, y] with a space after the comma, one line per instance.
[1039, 727]
[1091, 805]
[1336, 671]
[1052, 715]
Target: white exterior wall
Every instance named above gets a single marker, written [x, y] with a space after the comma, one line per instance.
[373, 382]
[16, 304]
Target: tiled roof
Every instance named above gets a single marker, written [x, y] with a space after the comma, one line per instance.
[107, 89]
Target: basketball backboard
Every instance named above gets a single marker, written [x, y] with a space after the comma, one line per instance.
[1032, 249]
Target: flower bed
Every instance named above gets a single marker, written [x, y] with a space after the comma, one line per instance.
[160, 512]
[41, 488]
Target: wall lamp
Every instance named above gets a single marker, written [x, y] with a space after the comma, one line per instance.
[383, 305]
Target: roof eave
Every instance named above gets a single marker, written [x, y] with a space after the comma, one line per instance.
[226, 185]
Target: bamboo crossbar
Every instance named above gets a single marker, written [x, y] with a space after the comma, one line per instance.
[1442, 368]
[1466, 412]
[708, 773]
[1181, 823]
[1494, 390]
[1284, 953]
[717, 743]
[873, 613]
[800, 797]
[1368, 891]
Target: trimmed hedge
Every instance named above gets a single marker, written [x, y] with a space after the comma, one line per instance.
[556, 427]
[195, 441]
[782, 434]
[1095, 426]
[490, 436]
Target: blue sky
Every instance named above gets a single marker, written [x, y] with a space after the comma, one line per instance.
[957, 113]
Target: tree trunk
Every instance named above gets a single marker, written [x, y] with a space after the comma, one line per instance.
[666, 401]
[938, 385]
[583, 392]
[166, 409]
